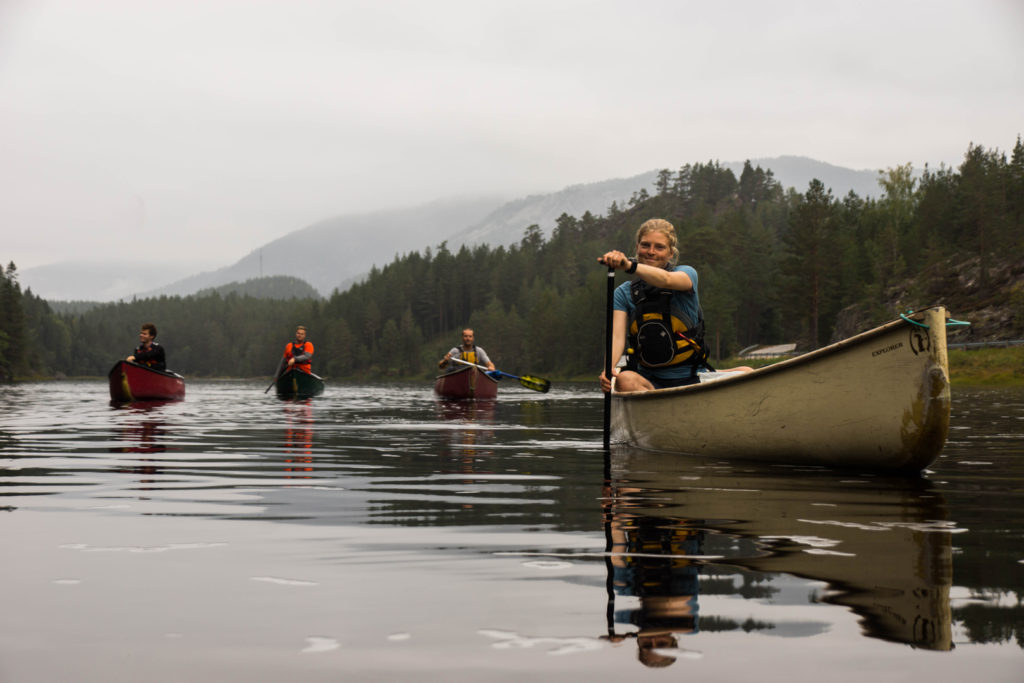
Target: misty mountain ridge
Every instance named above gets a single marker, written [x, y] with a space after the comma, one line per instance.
[506, 224]
[338, 251]
[331, 251]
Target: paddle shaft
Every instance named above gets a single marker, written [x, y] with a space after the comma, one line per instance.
[610, 295]
[280, 367]
[477, 365]
[532, 383]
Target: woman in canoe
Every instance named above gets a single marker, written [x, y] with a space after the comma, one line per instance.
[658, 314]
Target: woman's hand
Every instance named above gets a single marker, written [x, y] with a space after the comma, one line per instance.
[615, 259]
[606, 384]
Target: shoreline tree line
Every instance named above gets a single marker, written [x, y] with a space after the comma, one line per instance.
[775, 266]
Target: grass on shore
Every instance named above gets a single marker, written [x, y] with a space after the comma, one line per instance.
[1003, 367]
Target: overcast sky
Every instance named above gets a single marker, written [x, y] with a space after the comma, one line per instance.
[197, 130]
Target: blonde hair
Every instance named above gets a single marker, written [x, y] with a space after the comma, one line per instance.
[663, 226]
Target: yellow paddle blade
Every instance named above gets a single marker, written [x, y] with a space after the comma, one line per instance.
[535, 383]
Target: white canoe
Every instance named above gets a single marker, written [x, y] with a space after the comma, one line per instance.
[877, 401]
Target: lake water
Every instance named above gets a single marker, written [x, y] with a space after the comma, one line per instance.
[377, 533]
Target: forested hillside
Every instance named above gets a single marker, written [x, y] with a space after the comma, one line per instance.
[269, 287]
[775, 266]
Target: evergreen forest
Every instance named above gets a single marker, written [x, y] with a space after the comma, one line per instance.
[775, 265]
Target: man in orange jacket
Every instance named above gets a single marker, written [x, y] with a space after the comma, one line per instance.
[299, 353]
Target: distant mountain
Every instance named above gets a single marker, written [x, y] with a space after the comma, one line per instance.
[338, 251]
[331, 252]
[506, 224]
[798, 172]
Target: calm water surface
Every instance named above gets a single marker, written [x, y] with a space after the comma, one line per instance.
[377, 533]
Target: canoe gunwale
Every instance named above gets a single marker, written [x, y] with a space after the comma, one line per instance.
[767, 370]
[164, 373]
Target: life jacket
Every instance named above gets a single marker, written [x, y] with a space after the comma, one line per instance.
[468, 356]
[294, 350]
[661, 334]
[153, 363]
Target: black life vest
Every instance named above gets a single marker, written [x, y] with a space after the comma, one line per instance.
[661, 334]
[296, 350]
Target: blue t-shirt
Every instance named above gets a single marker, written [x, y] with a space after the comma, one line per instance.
[688, 302]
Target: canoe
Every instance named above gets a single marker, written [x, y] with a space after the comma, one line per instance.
[133, 382]
[882, 545]
[878, 401]
[298, 384]
[466, 383]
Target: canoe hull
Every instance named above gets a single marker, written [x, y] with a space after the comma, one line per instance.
[132, 382]
[879, 401]
[466, 383]
[298, 384]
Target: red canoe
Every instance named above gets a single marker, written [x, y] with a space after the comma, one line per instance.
[466, 382]
[134, 382]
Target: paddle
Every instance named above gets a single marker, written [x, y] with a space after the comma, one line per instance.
[528, 381]
[610, 295]
[280, 366]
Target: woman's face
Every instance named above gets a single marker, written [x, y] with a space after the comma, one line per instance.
[653, 249]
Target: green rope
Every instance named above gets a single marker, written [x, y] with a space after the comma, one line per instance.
[913, 322]
[949, 323]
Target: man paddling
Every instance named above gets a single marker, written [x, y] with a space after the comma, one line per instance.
[469, 352]
[149, 353]
[299, 353]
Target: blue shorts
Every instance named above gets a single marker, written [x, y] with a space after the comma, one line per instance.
[668, 382]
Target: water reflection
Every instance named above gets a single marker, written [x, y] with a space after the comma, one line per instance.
[467, 441]
[146, 436]
[650, 558]
[882, 546]
[146, 432]
[298, 437]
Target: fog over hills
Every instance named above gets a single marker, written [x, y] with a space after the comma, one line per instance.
[337, 251]
[330, 253]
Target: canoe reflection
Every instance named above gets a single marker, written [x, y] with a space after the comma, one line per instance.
[881, 544]
[144, 437]
[298, 437]
[466, 441]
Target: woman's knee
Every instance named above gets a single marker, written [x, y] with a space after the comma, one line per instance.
[628, 380]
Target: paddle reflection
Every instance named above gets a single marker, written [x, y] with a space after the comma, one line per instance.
[298, 437]
[675, 525]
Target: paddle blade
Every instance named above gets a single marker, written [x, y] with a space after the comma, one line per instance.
[535, 383]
